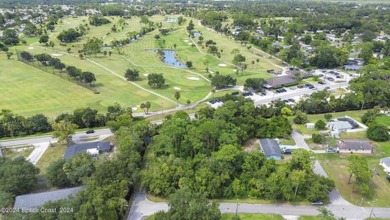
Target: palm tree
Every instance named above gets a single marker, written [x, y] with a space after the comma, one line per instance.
[177, 97]
[213, 91]
[325, 213]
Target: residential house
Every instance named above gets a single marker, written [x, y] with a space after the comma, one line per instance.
[385, 163]
[336, 127]
[352, 67]
[270, 148]
[93, 148]
[30, 201]
[355, 147]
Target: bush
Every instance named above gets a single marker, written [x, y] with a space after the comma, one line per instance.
[317, 138]
[378, 133]
[368, 117]
[300, 118]
[320, 125]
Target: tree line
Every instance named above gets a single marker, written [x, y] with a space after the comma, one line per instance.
[46, 60]
[204, 156]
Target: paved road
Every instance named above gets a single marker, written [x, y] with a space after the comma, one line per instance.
[299, 140]
[38, 151]
[49, 139]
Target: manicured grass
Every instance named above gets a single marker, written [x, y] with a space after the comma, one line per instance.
[51, 154]
[379, 185]
[310, 218]
[253, 217]
[288, 141]
[23, 151]
[353, 135]
[383, 120]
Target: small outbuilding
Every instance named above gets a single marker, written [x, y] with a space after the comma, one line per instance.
[270, 148]
[385, 163]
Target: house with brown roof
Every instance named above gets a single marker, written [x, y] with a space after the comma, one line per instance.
[355, 147]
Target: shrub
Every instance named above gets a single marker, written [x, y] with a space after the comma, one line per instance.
[378, 133]
[320, 125]
[300, 118]
[317, 138]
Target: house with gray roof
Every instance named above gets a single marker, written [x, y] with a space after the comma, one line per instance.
[355, 146]
[270, 148]
[101, 147]
[336, 127]
[38, 199]
[385, 163]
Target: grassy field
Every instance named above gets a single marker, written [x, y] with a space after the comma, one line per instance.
[383, 120]
[380, 186]
[243, 217]
[51, 154]
[23, 151]
[30, 91]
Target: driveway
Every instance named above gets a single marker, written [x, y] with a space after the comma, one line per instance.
[299, 140]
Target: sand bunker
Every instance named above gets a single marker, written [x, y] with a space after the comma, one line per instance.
[193, 78]
[146, 75]
[56, 54]
[176, 88]
[31, 48]
[134, 108]
[186, 41]
[222, 64]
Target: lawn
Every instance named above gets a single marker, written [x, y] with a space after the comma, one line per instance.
[253, 217]
[13, 152]
[380, 186]
[383, 120]
[243, 217]
[51, 154]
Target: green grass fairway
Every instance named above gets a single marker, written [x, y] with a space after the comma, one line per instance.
[27, 90]
[30, 91]
[383, 120]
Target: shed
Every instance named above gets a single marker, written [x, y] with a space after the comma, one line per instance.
[270, 148]
[310, 125]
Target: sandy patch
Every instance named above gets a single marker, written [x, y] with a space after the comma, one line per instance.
[176, 88]
[222, 64]
[134, 108]
[56, 54]
[31, 48]
[146, 75]
[193, 78]
[211, 71]
[189, 43]
[186, 41]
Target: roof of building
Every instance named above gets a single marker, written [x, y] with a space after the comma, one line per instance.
[338, 125]
[354, 145]
[281, 81]
[270, 147]
[352, 67]
[39, 199]
[79, 148]
[386, 161]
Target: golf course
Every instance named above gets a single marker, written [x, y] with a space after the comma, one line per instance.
[29, 90]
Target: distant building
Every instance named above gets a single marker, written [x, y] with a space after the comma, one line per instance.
[385, 163]
[93, 148]
[355, 146]
[352, 67]
[270, 148]
[280, 82]
[38, 199]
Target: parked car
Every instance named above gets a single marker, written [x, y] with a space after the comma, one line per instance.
[291, 100]
[388, 178]
[321, 75]
[90, 132]
[317, 203]
[287, 151]
[321, 83]
[330, 79]
[300, 86]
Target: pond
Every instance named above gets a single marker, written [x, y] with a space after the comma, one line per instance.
[170, 59]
